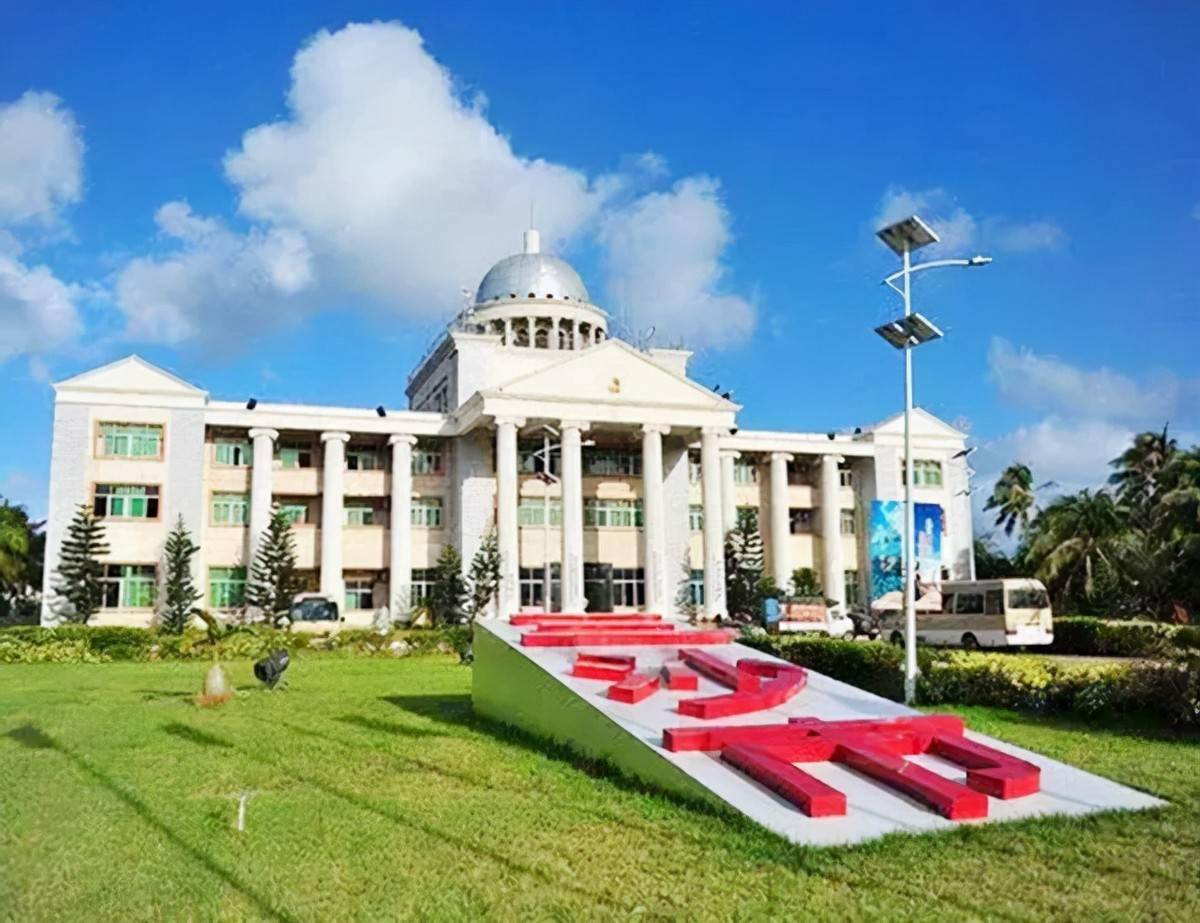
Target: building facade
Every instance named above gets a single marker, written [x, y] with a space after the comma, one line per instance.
[648, 471]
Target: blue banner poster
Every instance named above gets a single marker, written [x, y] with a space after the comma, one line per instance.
[886, 553]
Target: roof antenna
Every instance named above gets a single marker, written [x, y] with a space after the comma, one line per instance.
[533, 240]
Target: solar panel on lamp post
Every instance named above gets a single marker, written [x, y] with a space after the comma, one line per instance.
[903, 237]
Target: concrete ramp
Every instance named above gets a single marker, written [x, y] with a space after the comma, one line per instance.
[815, 760]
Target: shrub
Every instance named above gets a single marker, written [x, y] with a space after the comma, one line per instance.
[1094, 637]
[65, 651]
[874, 666]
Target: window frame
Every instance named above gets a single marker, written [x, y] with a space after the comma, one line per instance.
[243, 446]
[349, 511]
[125, 583]
[101, 443]
[226, 497]
[421, 512]
[233, 587]
[151, 500]
[598, 513]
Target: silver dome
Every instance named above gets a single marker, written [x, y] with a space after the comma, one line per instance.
[531, 274]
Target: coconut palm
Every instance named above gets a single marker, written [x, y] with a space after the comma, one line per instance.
[1074, 537]
[1138, 468]
[15, 545]
[1012, 498]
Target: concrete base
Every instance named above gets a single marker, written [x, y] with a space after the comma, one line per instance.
[532, 689]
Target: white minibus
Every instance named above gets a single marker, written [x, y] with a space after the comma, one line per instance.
[1010, 612]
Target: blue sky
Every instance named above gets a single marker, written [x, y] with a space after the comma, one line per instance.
[268, 208]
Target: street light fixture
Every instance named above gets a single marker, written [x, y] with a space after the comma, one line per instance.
[902, 238]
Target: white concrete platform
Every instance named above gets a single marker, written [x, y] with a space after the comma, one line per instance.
[533, 689]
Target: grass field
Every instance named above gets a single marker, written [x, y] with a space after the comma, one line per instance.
[379, 796]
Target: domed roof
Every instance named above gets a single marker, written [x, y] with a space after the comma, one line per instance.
[531, 274]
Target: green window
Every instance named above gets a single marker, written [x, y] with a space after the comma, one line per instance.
[604, 514]
[927, 472]
[427, 459]
[423, 579]
[611, 463]
[427, 512]
[745, 471]
[226, 587]
[532, 512]
[849, 523]
[294, 511]
[125, 501]
[295, 456]
[851, 587]
[128, 586]
[230, 509]
[696, 517]
[359, 515]
[235, 453]
[131, 440]
[363, 460]
[359, 593]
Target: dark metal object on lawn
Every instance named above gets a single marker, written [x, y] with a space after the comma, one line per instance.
[270, 669]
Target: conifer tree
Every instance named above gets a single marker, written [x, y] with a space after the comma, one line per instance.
[273, 582]
[448, 593]
[80, 569]
[180, 592]
[743, 569]
[483, 579]
[684, 604]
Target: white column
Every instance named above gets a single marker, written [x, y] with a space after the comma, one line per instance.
[532, 323]
[714, 534]
[654, 559]
[728, 490]
[832, 574]
[552, 340]
[574, 334]
[781, 558]
[400, 557]
[507, 533]
[263, 441]
[332, 516]
[573, 599]
[508, 331]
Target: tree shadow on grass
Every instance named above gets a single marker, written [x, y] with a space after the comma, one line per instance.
[461, 844]
[35, 738]
[389, 727]
[195, 735]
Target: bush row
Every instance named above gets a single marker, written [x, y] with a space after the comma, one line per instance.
[81, 644]
[1089, 636]
[1168, 690]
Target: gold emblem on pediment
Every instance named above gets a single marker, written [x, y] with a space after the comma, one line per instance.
[615, 386]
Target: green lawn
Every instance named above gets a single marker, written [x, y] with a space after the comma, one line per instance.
[381, 797]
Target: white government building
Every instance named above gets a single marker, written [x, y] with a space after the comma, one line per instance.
[650, 472]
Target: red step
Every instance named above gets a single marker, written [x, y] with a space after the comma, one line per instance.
[772, 694]
[602, 666]
[721, 671]
[532, 618]
[809, 794]
[625, 638]
[633, 688]
[677, 676]
[989, 770]
[948, 798]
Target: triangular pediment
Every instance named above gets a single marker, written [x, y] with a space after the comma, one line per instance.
[923, 422]
[613, 373]
[131, 374]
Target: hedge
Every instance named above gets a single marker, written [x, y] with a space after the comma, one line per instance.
[81, 644]
[1169, 690]
[1093, 637]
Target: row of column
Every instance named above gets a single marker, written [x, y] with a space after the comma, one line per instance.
[576, 339]
[333, 583]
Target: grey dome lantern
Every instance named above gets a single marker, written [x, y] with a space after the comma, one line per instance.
[531, 274]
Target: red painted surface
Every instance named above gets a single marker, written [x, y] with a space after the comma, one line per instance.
[633, 688]
[721, 671]
[676, 676]
[631, 637]
[759, 684]
[874, 747]
[602, 666]
[552, 618]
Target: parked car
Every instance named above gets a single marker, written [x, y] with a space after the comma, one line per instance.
[818, 618]
[314, 607]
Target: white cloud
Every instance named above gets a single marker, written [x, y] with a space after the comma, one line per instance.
[663, 259]
[37, 310]
[1050, 384]
[961, 231]
[217, 285]
[385, 180]
[41, 159]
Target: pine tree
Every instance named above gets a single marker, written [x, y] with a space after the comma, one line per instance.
[79, 569]
[448, 594]
[804, 583]
[684, 604]
[743, 570]
[273, 582]
[483, 579]
[180, 592]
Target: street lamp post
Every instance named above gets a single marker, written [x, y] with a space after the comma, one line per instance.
[911, 330]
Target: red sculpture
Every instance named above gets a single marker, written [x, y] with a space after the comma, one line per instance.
[874, 747]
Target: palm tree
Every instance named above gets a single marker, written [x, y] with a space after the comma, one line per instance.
[15, 545]
[1074, 537]
[1138, 469]
[1012, 498]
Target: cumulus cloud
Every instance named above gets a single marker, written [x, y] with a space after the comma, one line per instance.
[216, 285]
[37, 310]
[663, 260]
[961, 231]
[1051, 384]
[41, 173]
[386, 181]
[41, 159]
